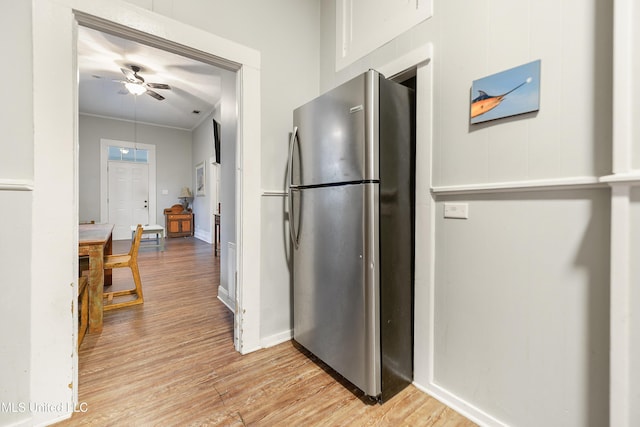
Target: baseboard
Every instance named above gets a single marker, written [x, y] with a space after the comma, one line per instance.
[270, 341]
[223, 296]
[276, 339]
[203, 235]
[461, 406]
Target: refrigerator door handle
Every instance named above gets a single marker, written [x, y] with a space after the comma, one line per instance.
[292, 142]
[292, 222]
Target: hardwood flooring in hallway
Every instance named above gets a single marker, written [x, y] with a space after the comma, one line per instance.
[171, 362]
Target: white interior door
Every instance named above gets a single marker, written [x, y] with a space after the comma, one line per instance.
[128, 196]
[127, 179]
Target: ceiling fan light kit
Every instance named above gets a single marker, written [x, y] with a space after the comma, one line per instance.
[136, 85]
[135, 88]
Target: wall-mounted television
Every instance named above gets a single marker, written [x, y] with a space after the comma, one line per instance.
[216, 140]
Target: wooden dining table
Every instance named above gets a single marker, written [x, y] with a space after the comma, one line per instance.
[95, 241]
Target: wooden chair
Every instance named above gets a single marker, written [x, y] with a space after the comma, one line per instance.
[83, 308]
[125, 260]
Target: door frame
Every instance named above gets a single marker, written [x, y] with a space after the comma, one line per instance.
[213, 177]
[104, 175]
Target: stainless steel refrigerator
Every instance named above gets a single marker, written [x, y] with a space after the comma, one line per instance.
[351, 215]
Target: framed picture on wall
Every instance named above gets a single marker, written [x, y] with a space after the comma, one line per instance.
[508, 93]
[200, 179]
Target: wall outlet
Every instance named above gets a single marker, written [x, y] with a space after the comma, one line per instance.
[456, 210]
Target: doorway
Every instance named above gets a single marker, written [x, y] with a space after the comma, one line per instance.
[245, 64]
[232, 265]
[415, 69]
[127, 185]
[181, 139]
[128, 196]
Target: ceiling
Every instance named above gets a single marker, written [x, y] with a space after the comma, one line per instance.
[195, 86]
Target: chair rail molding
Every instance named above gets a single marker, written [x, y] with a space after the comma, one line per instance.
[524, 185]
[16, 184]
[631, 178]
[274, 193]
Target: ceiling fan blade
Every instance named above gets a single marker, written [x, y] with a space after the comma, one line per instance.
[131, 76]
[156, 95]
[158, 86]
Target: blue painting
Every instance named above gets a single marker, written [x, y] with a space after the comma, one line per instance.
[508, 93]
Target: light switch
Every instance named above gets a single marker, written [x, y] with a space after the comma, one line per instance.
[456, 210]
[165, 192]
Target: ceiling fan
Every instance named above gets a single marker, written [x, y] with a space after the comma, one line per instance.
[135, 83]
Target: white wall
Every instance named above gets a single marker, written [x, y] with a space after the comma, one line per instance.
[634, 236]
[228, 183]
[517, 327]
[173, 160]
[533, 298]
[16, 169]
[203, 150]
[15, 304]
[634, 319]
[522, 306]
[625, 275]
[276, 306]
[634, 60]
[569, 136]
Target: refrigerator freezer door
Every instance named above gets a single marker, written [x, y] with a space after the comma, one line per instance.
[335, 135]
[336, 292]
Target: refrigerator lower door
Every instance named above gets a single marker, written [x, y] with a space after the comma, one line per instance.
[336, 292]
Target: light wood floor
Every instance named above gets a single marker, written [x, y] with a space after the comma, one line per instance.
[171, 362]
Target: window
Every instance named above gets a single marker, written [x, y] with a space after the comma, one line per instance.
[126, 154]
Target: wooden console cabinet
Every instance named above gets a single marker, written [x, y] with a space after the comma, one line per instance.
[177, 222]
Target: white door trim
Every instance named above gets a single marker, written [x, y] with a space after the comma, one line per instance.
[104, 190]
[213, 176]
